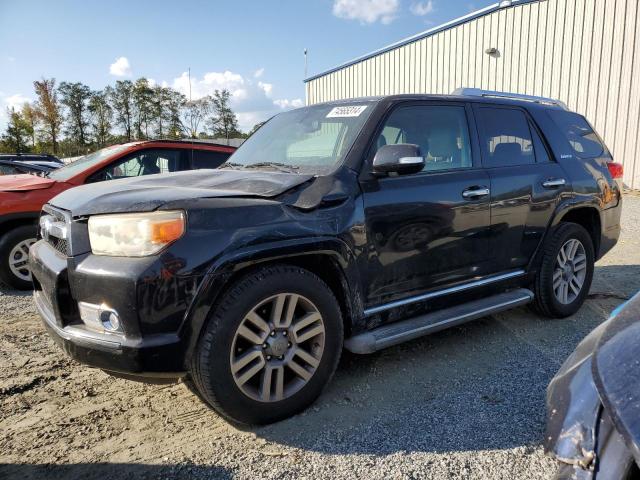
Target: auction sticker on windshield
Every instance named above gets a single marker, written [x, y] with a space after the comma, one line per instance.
[346, 111]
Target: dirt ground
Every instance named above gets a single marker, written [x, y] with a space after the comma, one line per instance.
[464, 403]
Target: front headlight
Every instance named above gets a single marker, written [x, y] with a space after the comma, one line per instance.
[134, 234]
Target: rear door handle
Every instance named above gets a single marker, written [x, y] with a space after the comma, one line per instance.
[475, 192]
[554, 183]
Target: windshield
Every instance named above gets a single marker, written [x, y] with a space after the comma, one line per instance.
[72, 169]
[308, 140]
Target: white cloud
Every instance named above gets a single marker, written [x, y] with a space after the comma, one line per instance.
[15, 101]
[258, 73]
[120, 68]
[366, 11]
[11, 59]
[266, 87]
[251, 100]
[10, 101]
[286, 104]
[422, 8]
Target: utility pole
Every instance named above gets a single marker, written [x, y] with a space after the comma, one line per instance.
[189, 83]
[305, 63]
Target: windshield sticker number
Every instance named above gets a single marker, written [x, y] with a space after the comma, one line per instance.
[346, 111]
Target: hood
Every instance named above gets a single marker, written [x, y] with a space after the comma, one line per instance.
[23, 183]
[148, 193]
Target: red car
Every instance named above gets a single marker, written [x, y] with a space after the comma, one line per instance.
[22, 196]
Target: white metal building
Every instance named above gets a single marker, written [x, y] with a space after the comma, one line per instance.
[583, 52]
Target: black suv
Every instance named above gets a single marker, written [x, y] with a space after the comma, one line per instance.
[362, 223]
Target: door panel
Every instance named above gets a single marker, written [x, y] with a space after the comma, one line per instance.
[423, 231]
[525, 183]
[521, 208]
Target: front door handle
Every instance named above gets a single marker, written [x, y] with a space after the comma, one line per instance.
[554, 183]
[475, 192]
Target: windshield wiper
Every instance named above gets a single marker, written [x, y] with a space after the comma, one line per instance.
[282, 167]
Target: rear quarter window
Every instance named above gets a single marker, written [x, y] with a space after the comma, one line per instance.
[583, 140]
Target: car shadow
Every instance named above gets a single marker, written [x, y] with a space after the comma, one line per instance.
[122, 471]
[475, 387]
[480, 386]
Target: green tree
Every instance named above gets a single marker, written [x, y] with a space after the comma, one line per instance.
[123, 105]
[176, 102]
[16, 136]
[224, 122]
[195, 112]
[31, 120]
[143, 106]
[47, 108]
[101, 115]
[76, 96]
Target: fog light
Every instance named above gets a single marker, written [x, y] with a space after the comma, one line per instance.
[112, 322]
[100, 318]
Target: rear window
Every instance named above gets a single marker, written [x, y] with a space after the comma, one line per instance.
[579, 134]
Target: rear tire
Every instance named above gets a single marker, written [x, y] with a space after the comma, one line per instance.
[563, 281]
[14, 249]
[270, 346]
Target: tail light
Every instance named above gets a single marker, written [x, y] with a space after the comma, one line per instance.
[615, 169]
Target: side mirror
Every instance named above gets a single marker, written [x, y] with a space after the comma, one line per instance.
[402, 159]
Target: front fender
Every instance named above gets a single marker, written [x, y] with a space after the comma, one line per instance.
[223, 269]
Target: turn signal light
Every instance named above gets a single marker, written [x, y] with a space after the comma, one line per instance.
[615, 169]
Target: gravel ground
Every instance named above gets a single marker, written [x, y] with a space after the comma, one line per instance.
[464, 403]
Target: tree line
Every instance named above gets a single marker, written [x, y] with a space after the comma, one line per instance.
[71, 119]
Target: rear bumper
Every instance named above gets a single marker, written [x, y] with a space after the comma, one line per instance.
[132, 353]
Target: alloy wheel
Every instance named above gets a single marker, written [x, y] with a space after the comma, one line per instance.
[569, 271]
[19, 259]
[277, 347]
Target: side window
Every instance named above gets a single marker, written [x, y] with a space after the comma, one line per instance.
[144, 162]
[542, 156]
[579, 134]
[441, 132]
[505, 137]
[208, 159]
[8, 170]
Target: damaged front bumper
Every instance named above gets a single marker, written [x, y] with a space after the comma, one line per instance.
[589, 399]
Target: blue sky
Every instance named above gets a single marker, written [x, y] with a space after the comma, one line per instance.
[253, 48]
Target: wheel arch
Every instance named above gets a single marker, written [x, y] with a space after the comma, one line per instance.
[583, 211]
[587, 216]
[331, 259]
[13, 220]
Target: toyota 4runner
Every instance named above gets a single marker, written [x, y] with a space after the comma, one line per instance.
[360, 223]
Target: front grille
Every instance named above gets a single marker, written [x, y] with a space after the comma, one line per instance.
[55, 229]
[60, 245]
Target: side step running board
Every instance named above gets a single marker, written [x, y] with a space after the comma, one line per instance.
[395, 333]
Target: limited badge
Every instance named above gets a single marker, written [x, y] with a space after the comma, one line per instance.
[346, 111]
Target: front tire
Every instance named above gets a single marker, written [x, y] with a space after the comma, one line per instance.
[563, 281]
[14, 257]
[270, 346]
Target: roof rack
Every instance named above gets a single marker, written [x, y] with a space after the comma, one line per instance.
[477, 92]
